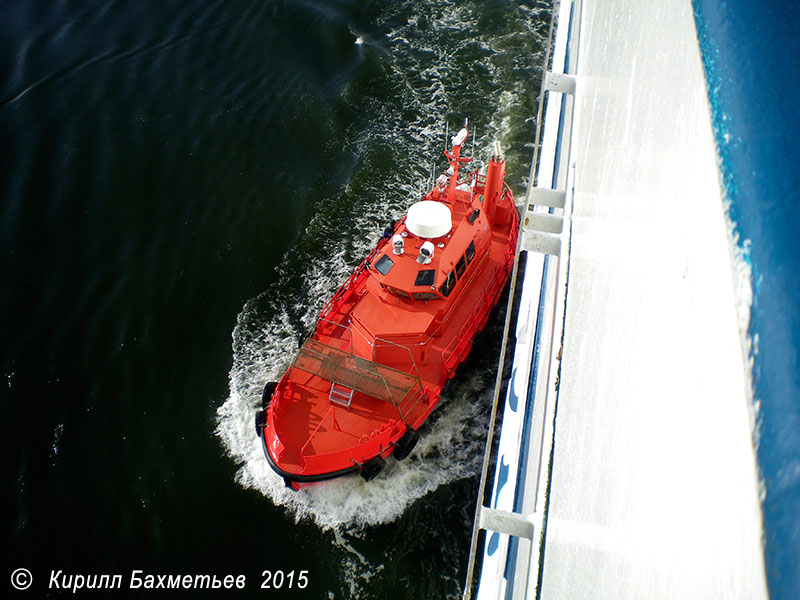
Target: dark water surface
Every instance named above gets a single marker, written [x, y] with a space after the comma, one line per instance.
[183, 184]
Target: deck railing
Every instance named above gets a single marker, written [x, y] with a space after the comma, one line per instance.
[403, 390]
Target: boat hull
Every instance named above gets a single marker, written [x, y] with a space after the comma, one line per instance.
[345, 463]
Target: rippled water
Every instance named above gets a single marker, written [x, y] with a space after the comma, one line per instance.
[183, 185]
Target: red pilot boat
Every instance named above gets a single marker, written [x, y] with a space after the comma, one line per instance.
[394, 333]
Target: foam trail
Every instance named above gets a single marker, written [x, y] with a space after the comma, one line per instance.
[448, 449]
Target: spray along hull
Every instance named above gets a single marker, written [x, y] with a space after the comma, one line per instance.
[394, 333]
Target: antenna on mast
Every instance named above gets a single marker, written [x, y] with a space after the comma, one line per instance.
[474, 135]
[446, 131]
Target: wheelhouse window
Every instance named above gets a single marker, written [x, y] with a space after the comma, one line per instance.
[424, 296]
[470, 253]
[384, 264]
[449, 284]
[461, 266]
[397, 292]
[425, 277]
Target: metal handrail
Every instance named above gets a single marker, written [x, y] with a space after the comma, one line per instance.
[316, 350]
[348, 284]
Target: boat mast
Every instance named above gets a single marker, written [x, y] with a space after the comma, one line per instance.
[455, 159]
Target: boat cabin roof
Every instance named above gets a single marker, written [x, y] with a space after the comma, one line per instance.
[403, 275]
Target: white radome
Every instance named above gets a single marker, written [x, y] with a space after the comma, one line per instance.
[428, 219]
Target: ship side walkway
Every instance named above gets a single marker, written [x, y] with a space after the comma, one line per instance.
[625, 465]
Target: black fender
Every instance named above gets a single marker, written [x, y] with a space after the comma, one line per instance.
[448, 385]
[261, 422]
[404, 446]
[371, 468]
[266, 395]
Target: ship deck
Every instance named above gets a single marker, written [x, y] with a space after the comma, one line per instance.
[625, 467]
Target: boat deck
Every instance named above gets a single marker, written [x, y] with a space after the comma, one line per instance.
[394, 333]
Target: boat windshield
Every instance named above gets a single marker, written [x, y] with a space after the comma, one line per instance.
[425, 277]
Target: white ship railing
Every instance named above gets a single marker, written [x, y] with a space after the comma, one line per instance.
[515, 516]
